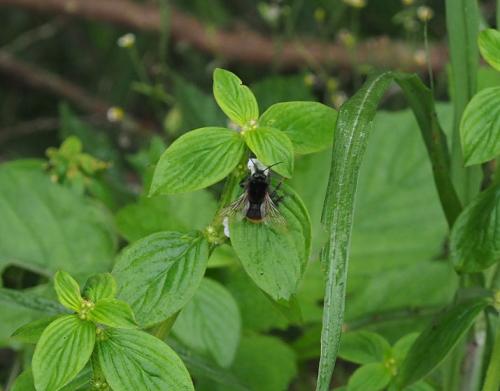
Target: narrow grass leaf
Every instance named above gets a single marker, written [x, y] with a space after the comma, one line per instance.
[351, 136]
[437, 340]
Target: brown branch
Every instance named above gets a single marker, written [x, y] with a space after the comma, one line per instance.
[41, 79]
[241, 45]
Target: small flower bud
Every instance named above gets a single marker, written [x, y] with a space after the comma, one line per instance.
[115, 114]
[355, 3]
[407, 2]
[319, 15]
[425, 13]
[126, 41]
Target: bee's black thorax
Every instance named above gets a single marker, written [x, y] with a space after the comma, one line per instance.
[257, 187]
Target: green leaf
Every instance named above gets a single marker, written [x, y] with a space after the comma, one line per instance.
[30, 301]
[402, 346]
[24, 382]
[159, 274]
[475, 238]
[263, 363]
[235, 99]
[489, 46]
[277, 271]
[100, 286]
[68, 291]
[309, 125]
[46, 227]
[133, 360]
[363, 347]
[197, 160]
[373, 377]
[62, 351]
[353, 126]
[177, 212]
[211, 323]
[31, 332]
[480, 127]
[113, 313]
[271, 146]
[437, 340]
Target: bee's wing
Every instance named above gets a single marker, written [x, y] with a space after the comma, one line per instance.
[237, 208]
[270, 212]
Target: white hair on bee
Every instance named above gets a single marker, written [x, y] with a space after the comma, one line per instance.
[225, 223]
[254, 164]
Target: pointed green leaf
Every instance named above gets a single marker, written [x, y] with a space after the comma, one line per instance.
[277, 271]
[373, 377]
[68, 290]
[24, 382]
[159, 274]
[475, 237]
[62, 351]
[437, 340]
[113, 313]
[235, 99]
[211, 323]
[31, 332]
[197, 160]
[489, 46]
[402, 346]
[271, 146]
[133, 360]
[363, 347]
[309, 125]
[100, 286]
[480, 127]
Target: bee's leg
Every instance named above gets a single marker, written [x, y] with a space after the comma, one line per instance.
[274, 194]
[243, 183]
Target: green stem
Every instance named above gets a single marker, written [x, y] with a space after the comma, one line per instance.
[162, 329]
[492, 382]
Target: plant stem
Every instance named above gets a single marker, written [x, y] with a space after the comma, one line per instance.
[492, 382]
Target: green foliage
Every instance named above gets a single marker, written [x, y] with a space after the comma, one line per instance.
[474, 241]
[31, 332]
[113, 313]
[363, 347]
[160, 273]
[196, 160]
[210, 323]
[480, 127]
[69, 342]
[28, 195]
[277, 271]
[100, 286]
[177, 212]
[131, 358]
[374, 376]
[68, 291]
[271, 146]
[489, 46]
[235, 99]
[309, 125]
[437, 340]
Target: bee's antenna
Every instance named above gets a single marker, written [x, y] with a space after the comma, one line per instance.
[272, 165]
